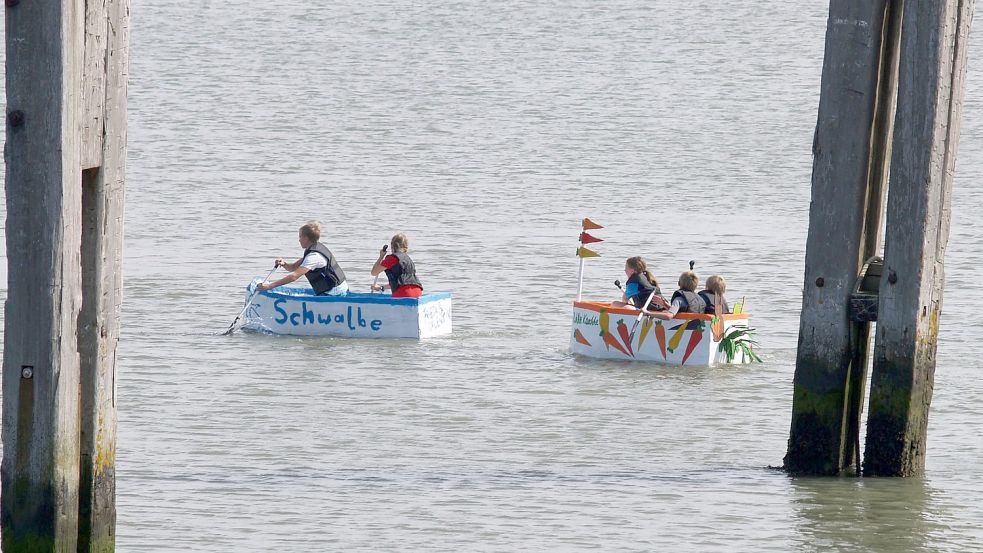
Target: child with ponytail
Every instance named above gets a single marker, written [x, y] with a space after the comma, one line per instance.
[399, 268]
[641, 283]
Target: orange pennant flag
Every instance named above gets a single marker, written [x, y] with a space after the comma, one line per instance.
[588, 239]
[584, 252]
[590, 225]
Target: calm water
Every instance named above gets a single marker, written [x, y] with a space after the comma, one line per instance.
[486, 131]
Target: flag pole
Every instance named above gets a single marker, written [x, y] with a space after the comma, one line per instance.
[580, 280]
[583, 252]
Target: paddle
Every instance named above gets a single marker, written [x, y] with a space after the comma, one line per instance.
[248, 303]
[641, 313]
[376, 281]
[634, 327]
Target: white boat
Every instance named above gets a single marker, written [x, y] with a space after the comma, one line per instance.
[603, 331]
[296, 311]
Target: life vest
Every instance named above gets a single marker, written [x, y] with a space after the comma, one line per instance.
[638, 288]
[710, 298]
[692, 302]
[403, 273]
[326, 277]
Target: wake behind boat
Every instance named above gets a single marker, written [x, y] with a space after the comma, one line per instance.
[297, 311]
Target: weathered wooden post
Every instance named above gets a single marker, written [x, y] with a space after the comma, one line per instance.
[103, 180]
[65, 159]
[850, 150]
[913, 120]
[931, 85]
[40, 357]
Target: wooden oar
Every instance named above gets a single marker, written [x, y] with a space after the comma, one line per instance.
[248, 303]
[631, 335]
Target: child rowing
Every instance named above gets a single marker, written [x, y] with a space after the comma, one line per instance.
[318, 264]
[399, 268]
[640, 285]
[684, 300]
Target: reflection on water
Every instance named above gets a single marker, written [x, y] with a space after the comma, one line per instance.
[874, 514]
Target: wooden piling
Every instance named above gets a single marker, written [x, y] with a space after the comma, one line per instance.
[103, 163]
[849, 150]
[66, 112]
[930, 93]
[39, 500]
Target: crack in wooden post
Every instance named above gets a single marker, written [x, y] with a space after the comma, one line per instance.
[104, 155]
[874, 207]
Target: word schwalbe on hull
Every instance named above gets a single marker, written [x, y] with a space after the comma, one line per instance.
[297, 311]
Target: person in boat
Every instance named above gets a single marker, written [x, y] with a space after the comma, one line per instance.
[399, 269]
[714, 294]
[684, 300]
[318, 264]
[640, 285]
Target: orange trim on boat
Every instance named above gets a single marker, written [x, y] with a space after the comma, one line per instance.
[597, 306]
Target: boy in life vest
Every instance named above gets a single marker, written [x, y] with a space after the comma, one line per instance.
[684, 300]
[713, 296]
[399, 269]
[640, 285]
[318, 264]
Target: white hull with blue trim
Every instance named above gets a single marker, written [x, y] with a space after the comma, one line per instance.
[297, 311]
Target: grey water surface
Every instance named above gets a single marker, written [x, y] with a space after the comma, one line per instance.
[486, 131]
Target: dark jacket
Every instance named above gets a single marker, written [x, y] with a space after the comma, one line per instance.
[324, 279]
[403, 273]
[644, 289]
[691, 301]
[709, 298]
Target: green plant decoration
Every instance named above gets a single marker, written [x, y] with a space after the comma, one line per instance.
[739, 339]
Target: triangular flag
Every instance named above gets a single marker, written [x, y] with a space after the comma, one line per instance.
[584, 252]
[588, 239]
[590, 225]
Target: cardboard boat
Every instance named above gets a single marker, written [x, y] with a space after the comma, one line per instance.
[296, 311]
[603, 331]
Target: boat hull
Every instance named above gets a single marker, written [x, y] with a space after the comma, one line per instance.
[602, 331]
[297, 311]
